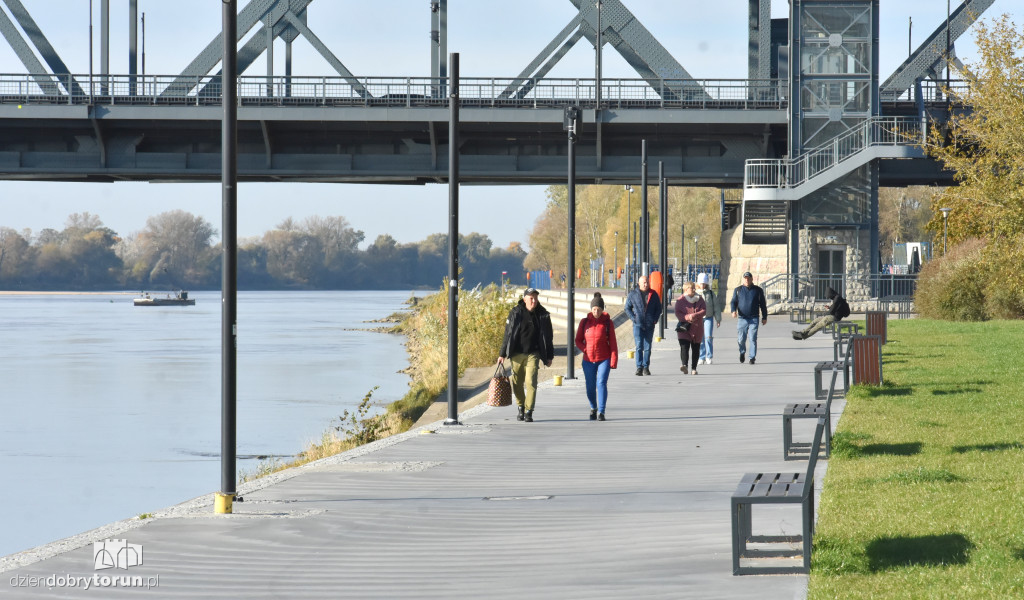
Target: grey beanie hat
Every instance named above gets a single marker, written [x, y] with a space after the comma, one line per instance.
[597, 301]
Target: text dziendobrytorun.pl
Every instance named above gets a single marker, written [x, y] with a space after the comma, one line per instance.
[86, 582]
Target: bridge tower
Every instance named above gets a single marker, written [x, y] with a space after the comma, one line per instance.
[833, 88]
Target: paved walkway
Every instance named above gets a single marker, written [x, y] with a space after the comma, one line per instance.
[634, 507]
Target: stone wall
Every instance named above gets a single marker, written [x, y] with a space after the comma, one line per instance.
[763, 261]
[853, 242]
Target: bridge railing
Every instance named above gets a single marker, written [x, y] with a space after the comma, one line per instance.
[791, 172]
[390, 91]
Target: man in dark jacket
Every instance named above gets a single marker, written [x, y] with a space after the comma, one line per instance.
[747, 304]
[528, 342]
[838, 309]
[643, 307]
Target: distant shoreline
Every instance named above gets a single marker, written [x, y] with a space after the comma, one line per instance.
[23, 293]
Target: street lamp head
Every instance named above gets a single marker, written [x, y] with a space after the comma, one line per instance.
[945, 212]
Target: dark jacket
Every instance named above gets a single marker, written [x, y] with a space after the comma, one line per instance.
[747, 302]
[839, 307]
[512, 344]
[642, 312]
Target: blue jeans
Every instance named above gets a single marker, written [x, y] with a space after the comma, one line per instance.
[643, 338]
[707, 347]
[743, 326]
[597, 382]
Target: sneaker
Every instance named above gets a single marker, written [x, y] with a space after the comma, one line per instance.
[639, 371]
[593, 415]
[683, 369]
[743, 356]
[708, 361]
[600, 416]
[647, 371]
[798, 335]
[694, 372]
[752, 360]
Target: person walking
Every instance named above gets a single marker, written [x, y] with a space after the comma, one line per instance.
[595, 337]
[528, 342]
[747, 303]
[690, 310]
[838, 309]
[643, 307]
[712, 319]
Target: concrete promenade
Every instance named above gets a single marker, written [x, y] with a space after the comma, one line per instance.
[634, 507]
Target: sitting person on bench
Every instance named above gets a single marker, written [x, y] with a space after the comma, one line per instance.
[838, 309]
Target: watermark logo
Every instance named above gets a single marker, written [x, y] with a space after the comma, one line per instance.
[110, 554]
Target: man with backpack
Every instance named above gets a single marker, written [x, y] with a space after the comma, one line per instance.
[838, 309]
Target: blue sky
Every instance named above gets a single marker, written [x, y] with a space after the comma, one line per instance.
[390, 38]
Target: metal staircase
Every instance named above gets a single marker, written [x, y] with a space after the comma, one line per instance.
[765, 222]
[790, 179]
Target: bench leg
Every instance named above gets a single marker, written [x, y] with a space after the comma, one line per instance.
[787, 435]
[808, 510]
[740, 532]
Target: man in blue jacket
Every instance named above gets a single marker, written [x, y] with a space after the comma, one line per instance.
[747, 302]
[643, 307]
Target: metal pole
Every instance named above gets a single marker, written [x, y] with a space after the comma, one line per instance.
[143, 52]
[105, 46]
[910, 35]
[133, 44]
[453, 243]
[91, 90]
[570, 331]
[615, 267]
[682, 250]
[597, 65]
[229, 275]
[629, 221]
[663, 245]
[645, 248]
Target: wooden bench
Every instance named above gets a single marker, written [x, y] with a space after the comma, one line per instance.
[876, 323]
[809, 410]
[866, 351]
[774, 488]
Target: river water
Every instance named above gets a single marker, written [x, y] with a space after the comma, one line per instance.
[110, 410]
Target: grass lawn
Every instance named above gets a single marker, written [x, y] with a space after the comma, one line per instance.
[924, 496]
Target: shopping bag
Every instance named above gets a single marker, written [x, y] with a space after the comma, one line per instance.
[499, 390]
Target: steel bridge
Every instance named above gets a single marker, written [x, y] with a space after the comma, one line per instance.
[809, 136]
[57, 125]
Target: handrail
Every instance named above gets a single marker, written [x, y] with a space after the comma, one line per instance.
[780, 289]
[786, 173]
[408, 91]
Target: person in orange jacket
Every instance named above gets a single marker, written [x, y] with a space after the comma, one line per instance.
[595, 337]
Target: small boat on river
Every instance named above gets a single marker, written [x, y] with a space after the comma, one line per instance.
[179, 299]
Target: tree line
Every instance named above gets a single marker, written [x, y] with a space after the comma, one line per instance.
[177, 250]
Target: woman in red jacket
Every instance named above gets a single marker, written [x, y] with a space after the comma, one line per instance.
[595, 337]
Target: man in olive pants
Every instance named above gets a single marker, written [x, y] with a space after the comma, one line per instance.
[528, 342]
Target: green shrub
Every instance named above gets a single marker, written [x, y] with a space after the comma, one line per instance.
[952, 287]
[1004, 291]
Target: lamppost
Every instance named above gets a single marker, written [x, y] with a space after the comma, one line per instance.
[629, 216]
[615, 266]
[945, 218]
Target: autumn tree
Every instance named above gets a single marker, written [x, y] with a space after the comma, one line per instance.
[177, 249]
[984, 142]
